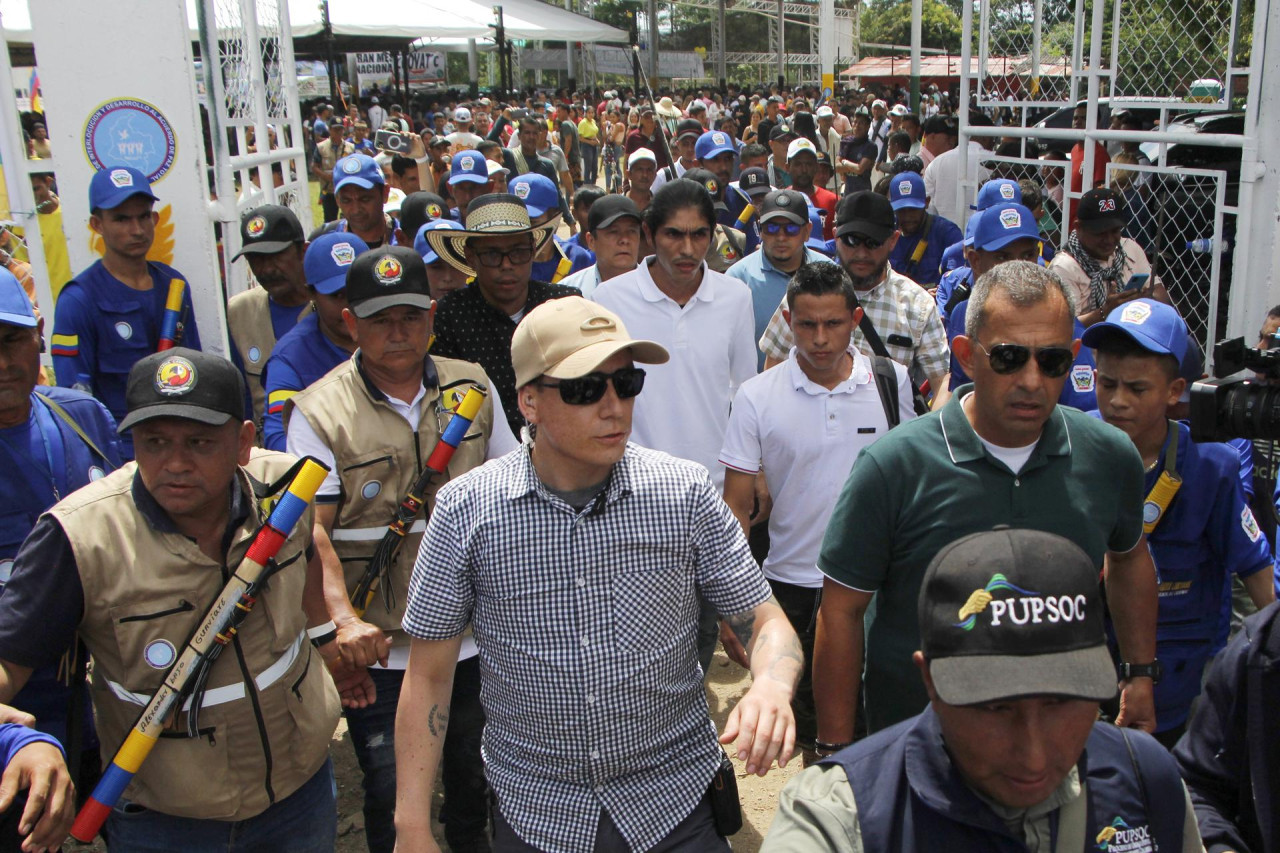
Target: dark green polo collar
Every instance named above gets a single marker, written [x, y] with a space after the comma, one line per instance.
[964, 445]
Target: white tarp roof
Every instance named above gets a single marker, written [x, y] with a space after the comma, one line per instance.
[407, 19]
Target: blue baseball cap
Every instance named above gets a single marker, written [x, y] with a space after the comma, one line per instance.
[359, 169]
[713, 143]
[113, 187]
[329, 257]
[420, 244]
[971, 227]
[469, 166]
[998, 191]
[15, 307]
[1002, 224]
[537, 192]
[1152, 325]
[816, 241]
[906, 189]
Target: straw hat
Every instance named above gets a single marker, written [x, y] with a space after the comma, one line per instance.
[490, 215]
[666, 109]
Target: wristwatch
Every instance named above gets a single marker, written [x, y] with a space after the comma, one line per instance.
[1153, 670]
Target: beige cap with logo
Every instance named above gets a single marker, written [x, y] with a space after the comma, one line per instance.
[570, 337]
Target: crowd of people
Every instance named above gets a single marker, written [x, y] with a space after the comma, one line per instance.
[602, 384]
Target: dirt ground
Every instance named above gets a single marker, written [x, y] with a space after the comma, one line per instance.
[725, 687]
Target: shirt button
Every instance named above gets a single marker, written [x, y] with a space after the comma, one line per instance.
[582, 581]
[586, 641]
[1017, 482]
[599, 789]
[595, 753]
[591, 699]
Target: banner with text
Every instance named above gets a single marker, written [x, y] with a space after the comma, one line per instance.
[425, 66]
[617, 60]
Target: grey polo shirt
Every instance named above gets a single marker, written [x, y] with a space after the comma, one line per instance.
[929, 482]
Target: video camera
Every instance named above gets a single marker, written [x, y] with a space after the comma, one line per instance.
[1224, 407]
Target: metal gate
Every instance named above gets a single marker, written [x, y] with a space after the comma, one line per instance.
[251, 97]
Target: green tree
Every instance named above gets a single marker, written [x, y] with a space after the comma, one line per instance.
[889, 22]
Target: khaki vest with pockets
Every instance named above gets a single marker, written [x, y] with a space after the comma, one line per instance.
[377, 459]
[145, 591]
[249, 322]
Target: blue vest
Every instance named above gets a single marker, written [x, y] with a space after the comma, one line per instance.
[910, 796]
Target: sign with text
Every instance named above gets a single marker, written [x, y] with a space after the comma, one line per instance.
[425, 66]
[616, 60]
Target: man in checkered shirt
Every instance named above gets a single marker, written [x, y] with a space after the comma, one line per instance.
[579, 560]
[901, 311]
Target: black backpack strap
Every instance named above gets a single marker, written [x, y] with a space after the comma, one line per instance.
[887, 385]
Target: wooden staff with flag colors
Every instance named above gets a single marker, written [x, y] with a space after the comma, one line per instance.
[214, 632]
[437, 462]
[172, 314]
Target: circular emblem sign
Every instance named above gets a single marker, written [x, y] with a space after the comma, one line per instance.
[175, 376]
[387, 270]
[371, 489]
[129, 132]
[159, 654]
[255, 227]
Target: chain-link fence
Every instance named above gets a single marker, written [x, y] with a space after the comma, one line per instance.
[1024, 55]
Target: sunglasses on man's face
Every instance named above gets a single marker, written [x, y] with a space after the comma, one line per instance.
[790, 228]
[585, 390]
[853, 241]
[1010, 358]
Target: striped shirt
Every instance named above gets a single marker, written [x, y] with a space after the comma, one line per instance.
[586, 622]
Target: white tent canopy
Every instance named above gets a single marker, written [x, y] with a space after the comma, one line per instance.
[405, 19]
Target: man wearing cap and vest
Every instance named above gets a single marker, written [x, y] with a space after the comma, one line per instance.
[327, 153]
[272, 242]
[614, 233]
[111, 314]
[784, 223]
[361, 190]
[132, 563]
[802, 165]
[918, 252]
[375, 420]
[597, 735]
[476, 323]
[320, 341]
[1198, 522]
[557, 258]
[728, 244]
[1009, 753]
[52, 442]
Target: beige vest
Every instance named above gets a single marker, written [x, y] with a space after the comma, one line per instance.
[378, 458]
[145, 593]
[249, 321]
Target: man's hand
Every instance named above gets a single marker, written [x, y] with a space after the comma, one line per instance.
[1120, 298]
[51, 797]
[355, 686]
[1137, 705]
[13, 715]
[732, 647]
[417, 146]
[362, 644]
[763, 726]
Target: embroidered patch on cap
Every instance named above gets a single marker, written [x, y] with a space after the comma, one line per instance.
[904, 188]
[121, 178]
[1135, 313]
[434, 211]
[718, 139]
[175, 376]
[521, 191]
[1006, 191]
[255, 227]
[1010, 219]
[343, 254]
[468, 163]
[351, 166]
[387, 270]
[712, 186]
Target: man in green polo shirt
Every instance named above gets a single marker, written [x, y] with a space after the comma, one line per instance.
[999, 453]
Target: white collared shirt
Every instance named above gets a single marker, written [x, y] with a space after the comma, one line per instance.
[684, 408]
[807, 438]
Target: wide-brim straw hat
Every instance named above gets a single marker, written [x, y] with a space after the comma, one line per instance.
[667, 109]
[490, 215]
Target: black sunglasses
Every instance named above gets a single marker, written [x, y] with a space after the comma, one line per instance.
[1010, 358]
[791, 228]
[493, 257]
[853, 241]
[585, 390]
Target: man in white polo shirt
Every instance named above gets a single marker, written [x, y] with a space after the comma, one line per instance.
[704, 319]
[804, 423]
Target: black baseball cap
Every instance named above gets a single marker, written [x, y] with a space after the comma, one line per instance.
[608, 210]
[417, 209]
[383, 278]
[754, 182]
[867, 213]
[785, 204]
[709, 182]
[269, 229]
[1102, 209]
[1010, 613]
[183, 383]
[688, 127]
[780, 131]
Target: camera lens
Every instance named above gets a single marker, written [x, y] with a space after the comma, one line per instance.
[1251, 410]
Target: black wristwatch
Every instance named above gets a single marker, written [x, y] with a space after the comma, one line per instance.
[1153, 670]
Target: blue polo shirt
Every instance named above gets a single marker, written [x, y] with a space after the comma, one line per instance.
[301, 357]
[768, 287]
[1080, 391]
[940, 234]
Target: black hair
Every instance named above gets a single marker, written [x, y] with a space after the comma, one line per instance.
[1031, 195]
[754, 149]
[533, 122]
[911, 117]
[677, 195]
[400, 164]
[487, 145]
[588, 194]
[908, 163]
[818, 279]
[900, 139]
[1113, 342]
[935, 124]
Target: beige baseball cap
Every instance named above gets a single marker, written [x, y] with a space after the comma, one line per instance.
[570, 337]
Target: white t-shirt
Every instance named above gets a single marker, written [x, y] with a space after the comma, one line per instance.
[684, 408]
[807, 437]
[943, 174]
[662, 174]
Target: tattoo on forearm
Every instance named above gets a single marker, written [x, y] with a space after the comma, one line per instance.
[787, 662]
[743, 625]
[438, 720]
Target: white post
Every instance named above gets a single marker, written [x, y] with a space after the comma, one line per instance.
[473, 60]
